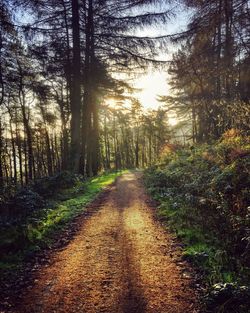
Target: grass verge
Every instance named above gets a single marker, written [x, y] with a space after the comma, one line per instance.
[20, 242]
[204, 198]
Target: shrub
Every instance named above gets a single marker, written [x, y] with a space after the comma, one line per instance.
[205, 197]
[47, 186]
[228, 298]
[25, 203]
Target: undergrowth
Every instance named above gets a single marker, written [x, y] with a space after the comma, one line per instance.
[40, 212]
[204, 197]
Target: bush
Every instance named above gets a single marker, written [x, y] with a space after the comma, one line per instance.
[47, 186]
[228, 298]
[25, 203]
[205, 197]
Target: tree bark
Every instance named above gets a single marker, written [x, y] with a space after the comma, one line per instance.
[76, 89]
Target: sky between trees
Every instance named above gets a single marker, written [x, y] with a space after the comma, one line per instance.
[69, 68]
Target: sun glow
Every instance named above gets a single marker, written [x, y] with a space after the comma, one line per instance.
[111, 102]
[148, 88]
[172, 121]
[151, 85]
[117, 104]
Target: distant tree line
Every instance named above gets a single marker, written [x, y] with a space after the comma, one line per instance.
[56, 60]
[131, 137]
[211, 70]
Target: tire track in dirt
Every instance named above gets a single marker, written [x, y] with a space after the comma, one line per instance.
[119, 262]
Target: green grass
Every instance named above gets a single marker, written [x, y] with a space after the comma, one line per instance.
[42, 231]
[65, 211]
[203, 198]
[201, 247]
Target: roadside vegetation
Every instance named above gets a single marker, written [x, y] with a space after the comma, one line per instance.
[32, 217]
[204, 196]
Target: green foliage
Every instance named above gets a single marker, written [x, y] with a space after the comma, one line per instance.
[49, 185]
[24, 203]
[18, 205]
[204, 195]
[229, 298]
[38, 230]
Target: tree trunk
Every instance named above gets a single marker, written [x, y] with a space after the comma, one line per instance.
[20, 156]
[1, 156]
[95, 146]
[49, 154]
[76, 89]
[13, 153]
[1, 72]
[137, 148]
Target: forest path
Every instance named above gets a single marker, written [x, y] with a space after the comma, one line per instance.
[120, 261]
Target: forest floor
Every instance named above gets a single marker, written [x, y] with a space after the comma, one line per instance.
[121, 260]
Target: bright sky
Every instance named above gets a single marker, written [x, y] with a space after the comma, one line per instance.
[154, 83]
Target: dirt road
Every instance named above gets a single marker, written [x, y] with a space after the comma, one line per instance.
[121, 261]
